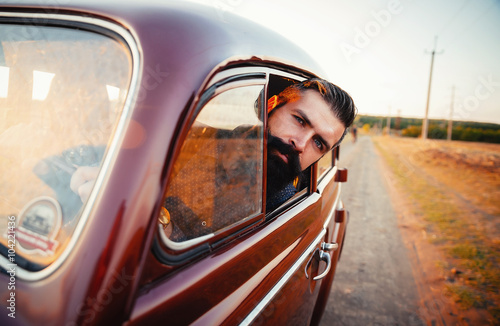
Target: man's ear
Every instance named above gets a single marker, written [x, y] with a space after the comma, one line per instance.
[271, 103]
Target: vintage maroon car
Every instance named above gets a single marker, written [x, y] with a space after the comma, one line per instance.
[144, 93]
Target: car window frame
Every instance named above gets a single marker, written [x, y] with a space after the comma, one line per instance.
[233, 76]
[174, 253]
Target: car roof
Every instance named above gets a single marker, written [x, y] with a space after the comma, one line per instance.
[193, 37]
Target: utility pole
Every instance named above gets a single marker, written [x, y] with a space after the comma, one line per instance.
[425, 125]
[450, 120]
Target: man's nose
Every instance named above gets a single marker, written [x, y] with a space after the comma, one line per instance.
[298, 143]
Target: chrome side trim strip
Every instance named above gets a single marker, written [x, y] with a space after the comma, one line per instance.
[116, 139]
[327, 179]
[282, 282]
[185, 244]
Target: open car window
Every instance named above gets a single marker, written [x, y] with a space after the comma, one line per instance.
[216, 180]
[278, 83]
[61, 94]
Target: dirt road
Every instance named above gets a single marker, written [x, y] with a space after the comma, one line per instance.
[374, 284]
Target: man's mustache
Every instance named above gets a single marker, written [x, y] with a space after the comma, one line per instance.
[282, 147]
[292, 167]
[281, 172]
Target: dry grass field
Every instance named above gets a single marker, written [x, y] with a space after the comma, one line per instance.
[447, 195]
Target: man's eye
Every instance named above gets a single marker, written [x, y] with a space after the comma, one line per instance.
[299, 120]
[318, 144]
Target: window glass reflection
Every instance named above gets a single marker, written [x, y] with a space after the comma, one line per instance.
[61, 93]
[217, 177]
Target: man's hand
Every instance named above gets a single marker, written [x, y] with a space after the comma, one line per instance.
[83, 180]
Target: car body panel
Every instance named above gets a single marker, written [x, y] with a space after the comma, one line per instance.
[104, 277]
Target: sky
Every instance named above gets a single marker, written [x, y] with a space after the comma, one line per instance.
[380, 51]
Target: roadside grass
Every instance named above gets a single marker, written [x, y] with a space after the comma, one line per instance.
[472, 259]
[466, 297]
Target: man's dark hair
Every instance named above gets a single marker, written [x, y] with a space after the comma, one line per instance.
[340, 101]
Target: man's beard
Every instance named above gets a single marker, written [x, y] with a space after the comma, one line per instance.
[280, 173]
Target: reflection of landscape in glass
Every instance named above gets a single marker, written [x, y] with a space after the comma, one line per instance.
[229, 112]
[60, 90]
[324, 163]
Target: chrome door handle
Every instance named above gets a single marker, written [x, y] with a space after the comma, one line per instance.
[329, 246]
[325, 257]
[309, 263]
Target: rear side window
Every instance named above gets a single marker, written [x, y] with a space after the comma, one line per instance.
[324, 165]
[61, 94]
[216, 180]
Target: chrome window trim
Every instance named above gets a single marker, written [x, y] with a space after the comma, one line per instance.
[283, 281]
[276, 72]
[238, 84]
[326, 179]
[116, 139]
[322, 176]
[223, 70]
[184, 244]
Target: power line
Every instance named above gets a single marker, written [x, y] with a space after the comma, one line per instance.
[465, 29]
[453, 17]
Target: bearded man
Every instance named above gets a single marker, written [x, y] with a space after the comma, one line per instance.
[305, 121]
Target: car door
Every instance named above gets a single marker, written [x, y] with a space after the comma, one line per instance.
[217, 257]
